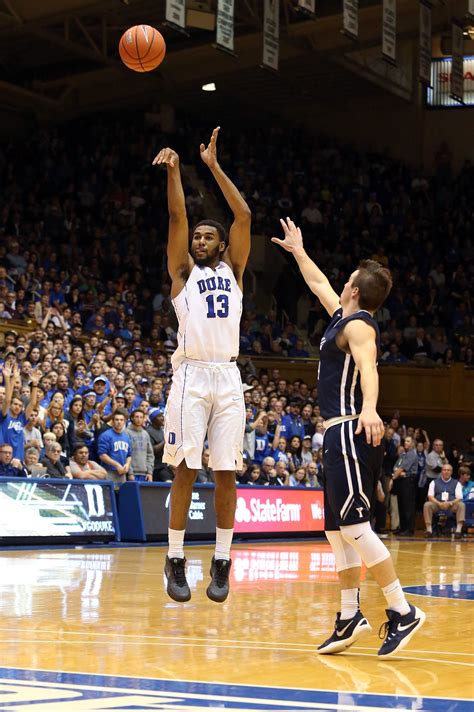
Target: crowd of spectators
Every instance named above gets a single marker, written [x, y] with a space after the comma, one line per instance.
[85, 366]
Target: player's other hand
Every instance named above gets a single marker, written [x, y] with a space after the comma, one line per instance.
[167, 157]
[209, 153]
[370, 421]
[293, 241]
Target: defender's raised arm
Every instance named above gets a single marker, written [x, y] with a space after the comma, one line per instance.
[312, 275]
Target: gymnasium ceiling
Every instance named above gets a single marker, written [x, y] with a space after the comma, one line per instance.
[58, 58]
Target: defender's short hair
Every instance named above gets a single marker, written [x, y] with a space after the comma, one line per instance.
[374, 282]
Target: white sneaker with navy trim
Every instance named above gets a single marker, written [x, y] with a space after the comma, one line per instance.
[346, 632]
[399, 630]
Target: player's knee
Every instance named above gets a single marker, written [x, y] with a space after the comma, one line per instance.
[366, 543]
[345, 556]
[185, 474]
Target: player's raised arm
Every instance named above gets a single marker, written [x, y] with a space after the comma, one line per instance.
[312, 275]
[179, 260]
[239, 234]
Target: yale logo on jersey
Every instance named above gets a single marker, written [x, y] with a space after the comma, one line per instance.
[212, 283]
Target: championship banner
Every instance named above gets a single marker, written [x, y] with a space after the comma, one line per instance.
[350, 18]
[457, 70]
[424, 65]
[176, 13]
[225, 25]
[309, 6]
[271, 34]
[470, 9]
[389, 31]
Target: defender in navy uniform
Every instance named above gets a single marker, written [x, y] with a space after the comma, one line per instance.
[348, 392]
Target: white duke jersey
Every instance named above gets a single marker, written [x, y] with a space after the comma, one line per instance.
[208, 308]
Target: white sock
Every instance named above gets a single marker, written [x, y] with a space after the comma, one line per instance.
[223, 543]
[429, 528]
[396, 600]
[349, 603]
[458, 528]
[176, 543]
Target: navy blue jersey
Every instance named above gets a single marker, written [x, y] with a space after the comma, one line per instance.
[339, 391]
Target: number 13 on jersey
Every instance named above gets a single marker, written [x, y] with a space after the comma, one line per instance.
[222, 302]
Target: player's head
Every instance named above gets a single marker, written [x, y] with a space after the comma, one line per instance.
[367, 287]
[208, 242]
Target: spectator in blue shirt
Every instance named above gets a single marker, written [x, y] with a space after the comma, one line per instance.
[12, 418]
[115, 448]
[295, 425]
[6, 467]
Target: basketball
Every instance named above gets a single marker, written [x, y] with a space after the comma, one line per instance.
[142, 48]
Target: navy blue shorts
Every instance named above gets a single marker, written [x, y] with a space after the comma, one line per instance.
[351, 471]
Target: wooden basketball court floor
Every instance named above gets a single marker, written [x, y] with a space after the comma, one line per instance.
[92, 629]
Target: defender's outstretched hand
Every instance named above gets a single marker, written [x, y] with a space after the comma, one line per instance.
[209, 154]
[167, 157]
[293, 238]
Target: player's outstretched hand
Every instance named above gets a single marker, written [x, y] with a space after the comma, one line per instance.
[293, 238]
[209, 154]
[167, 157]
[370, 421]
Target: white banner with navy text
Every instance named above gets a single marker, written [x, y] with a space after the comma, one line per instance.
[176, 12]
[350, 18]
[389, 30]
[457, 70]
[271, 33]
[225, 25]
[424, 65]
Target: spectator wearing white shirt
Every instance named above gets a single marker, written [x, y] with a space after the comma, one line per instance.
[444, 495]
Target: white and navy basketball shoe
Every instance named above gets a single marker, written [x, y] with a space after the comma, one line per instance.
[399, 630]
[346, 632]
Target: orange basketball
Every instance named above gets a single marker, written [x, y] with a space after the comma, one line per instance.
[142, 48]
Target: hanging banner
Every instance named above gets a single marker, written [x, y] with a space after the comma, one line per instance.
[457, 70]
[350, 18]
[271, 33]
[424, 64]
[225, 25]
[389, 31]
[308, 6]
[470, 9]
[176, 12]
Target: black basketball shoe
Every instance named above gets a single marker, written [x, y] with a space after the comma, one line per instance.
[218, 589]
[399, 630]
[346, 632]
[177, 587]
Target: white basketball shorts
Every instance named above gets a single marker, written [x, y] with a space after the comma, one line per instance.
[205, 398]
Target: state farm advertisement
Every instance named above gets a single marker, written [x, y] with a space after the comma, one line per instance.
[262, 510]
